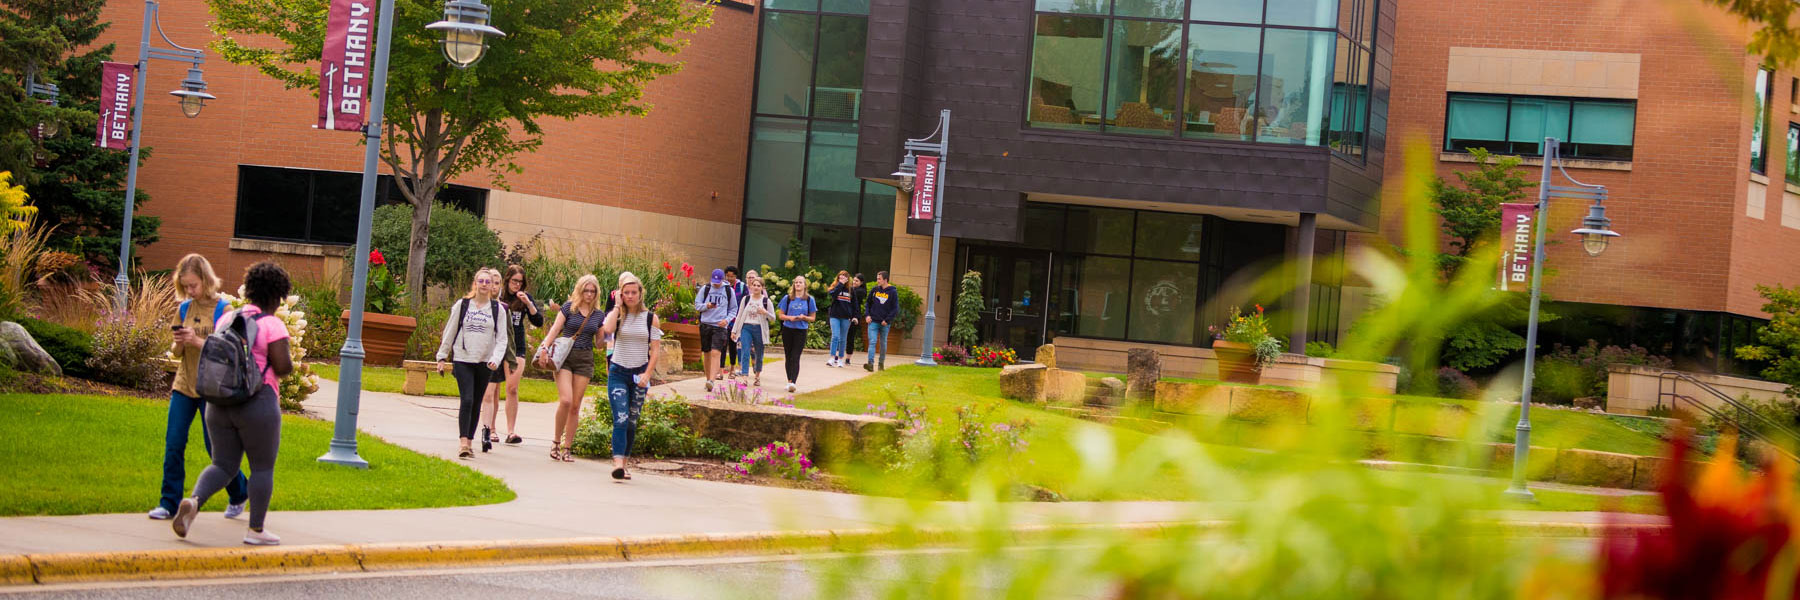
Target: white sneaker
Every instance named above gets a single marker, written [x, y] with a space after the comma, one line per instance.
[261, 538]
[790, 387]
[159, 513]
[184, 516]
[233, 511]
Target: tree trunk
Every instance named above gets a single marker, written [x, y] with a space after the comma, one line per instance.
[415, 251]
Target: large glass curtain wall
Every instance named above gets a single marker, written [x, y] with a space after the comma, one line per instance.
[801, 181]
[1280, 71]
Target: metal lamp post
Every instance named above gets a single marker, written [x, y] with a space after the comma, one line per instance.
[49, 93]
[905, 174]
[1596, 231]
[465, 27]
[193, 97]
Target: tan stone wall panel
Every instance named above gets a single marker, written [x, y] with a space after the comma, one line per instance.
[1543, 72]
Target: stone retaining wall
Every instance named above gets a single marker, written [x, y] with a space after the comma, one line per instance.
[827, 437]
[1633, 390]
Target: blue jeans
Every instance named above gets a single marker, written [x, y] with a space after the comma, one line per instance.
[627, 402]
[750, 347]
[182, 410]
[878, 343]
[840, 331]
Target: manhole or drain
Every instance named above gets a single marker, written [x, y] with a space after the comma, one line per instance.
[659, 466]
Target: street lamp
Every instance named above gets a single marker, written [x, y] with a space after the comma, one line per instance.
[462, 17]
[465, 31]
[192, 95]
[906, 173]
[49, 92]
[1595, 232]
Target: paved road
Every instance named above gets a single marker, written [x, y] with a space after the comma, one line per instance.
[787, 578]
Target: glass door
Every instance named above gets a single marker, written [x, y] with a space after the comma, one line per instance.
[1014, 288]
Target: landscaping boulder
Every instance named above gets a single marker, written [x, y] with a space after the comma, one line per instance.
[670, 360]
[8, 359]
[1192, 398]
[1024, 383]
[1590, 403]
[1115, 390]
[1064, 388]
[1046, 355]
[827, 437]
[28, 356]
[1143, 368]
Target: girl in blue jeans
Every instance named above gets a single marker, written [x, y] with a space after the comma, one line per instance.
[843, 313]
[197, 314]
[751, 332]
[635, 347]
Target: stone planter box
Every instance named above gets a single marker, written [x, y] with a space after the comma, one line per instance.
[384, 337]
[827, 437]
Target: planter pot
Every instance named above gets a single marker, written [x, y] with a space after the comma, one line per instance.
[1237, 362]
[384, 337]
[689, 334]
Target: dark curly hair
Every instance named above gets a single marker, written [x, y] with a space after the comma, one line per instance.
[265, 284]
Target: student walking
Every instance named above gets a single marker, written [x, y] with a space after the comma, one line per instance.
[883, 306]
[739, 288]
[520, 309]
[195, 319]
[858, 293]
[713, 302]
[475, 340]
[797, 311]
[577, 323]
[635, 348]
[842, 311]
[252, 427]
[751, 333]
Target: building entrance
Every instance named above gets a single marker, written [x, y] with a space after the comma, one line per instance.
[1015, 296]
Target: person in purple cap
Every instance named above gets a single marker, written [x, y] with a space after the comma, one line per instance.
[713, 302]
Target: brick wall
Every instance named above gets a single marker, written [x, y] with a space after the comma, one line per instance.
[1687, 242]
[686, 158]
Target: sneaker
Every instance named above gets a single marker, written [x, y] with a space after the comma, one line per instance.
[790, 387]
[159, 513]
[184, 516]
[709, 385]
[233, 511]
[870, 367]
[261, 538]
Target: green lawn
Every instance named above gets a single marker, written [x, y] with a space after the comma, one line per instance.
[1550, 427]
[69, 454]
[1051, 459]
[389, 379]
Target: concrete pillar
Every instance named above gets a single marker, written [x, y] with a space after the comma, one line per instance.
[1303, 267]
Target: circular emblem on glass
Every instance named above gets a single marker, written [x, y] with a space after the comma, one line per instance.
[1162, 298]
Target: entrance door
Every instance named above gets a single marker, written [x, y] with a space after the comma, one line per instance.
[1014, 289]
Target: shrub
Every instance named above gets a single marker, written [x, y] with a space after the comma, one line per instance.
[991, 356]
[1454, 384]
[1592, 360]
[1320, 348]
[928, 454]
[69, 346]
[423, 344]
[660, 433]
[460, 243]
[969, 302]
[950, 355]
[775, 459]
[125, 354]
[20, 249]
[297, 385]
[325, 331]
[1559, 381]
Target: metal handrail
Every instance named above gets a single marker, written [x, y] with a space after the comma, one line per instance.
[1674, 378]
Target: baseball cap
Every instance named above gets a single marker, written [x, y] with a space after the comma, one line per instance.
[718, 276]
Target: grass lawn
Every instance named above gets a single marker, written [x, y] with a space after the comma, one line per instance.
[1050, 458]
[389, 379]
[68, 454]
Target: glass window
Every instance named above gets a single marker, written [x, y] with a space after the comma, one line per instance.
[1164, 295]
[777, 151]
[784, 69]
[838, 87]
[1227, 11]
[1534, 119]
[1091, 300]
[1602, 129]
[878, 205]
[1155, 9]
[1221, 81]
[1100, 230]
[833, 248]
[855, 7]
[336, 198]
[1296, 66]
[1476, 122]
[1759, 122]
[764, 243]
[877, 246]
[1144, 76]
[272, 202]
[1044, 226]
[1302, 13]
[1793, 153]
[792, 4]
[1170, 236]
[1067, 56]
[1086, 7]
[833, 193]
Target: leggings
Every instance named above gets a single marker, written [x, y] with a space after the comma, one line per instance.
[182, 410]
[471, 385]
[793, 342]
[253, 429]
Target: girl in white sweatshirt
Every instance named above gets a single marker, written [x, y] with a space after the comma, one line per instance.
[475, 339]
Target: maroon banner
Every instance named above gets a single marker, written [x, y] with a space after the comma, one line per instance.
[116, 92]
[344, 65]
[1518, 222]
[925, 188]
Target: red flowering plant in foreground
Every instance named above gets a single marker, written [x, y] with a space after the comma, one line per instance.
[677, 306]
[1730, 534]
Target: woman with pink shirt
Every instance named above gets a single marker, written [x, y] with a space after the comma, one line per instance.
[252, 428]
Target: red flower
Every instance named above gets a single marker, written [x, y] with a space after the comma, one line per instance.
[376, 259]
[671, 276]
[665, 265]
[687, 270]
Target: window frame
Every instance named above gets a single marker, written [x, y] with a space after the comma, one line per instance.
[1506, 128]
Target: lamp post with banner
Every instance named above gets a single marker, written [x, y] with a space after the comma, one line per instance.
[927, 203]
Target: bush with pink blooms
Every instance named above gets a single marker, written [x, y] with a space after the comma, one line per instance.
[778, 460]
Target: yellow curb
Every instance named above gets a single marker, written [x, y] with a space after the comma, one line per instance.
[716, 544]
[388, 557]
[187, 564]
[15, 569]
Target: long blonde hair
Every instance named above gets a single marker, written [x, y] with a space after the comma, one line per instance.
[798, 283]
[474, 282]
[198, 266]
[575, 294]
[625, 279]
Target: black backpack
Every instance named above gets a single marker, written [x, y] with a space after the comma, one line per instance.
[227, 375]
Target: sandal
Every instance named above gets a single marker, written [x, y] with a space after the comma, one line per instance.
[465, 454]
[556, 452]
[514, 439]
[619, 474]
[568, 455]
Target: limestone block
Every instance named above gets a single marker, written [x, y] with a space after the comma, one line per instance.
[1540, 464]
[1595, 468]
[1024, 383]
[1369, 414]
[670, 360]
[1143, 368]
[827, 437]
[1046, 355]
[1650, 471]
[1115, 390]
[1192, 398]
[1264, 405]
[1064, 388]
[416, 373]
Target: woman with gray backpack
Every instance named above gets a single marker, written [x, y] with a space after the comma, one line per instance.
[197, 314]
[240, 370]
[475, 340]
